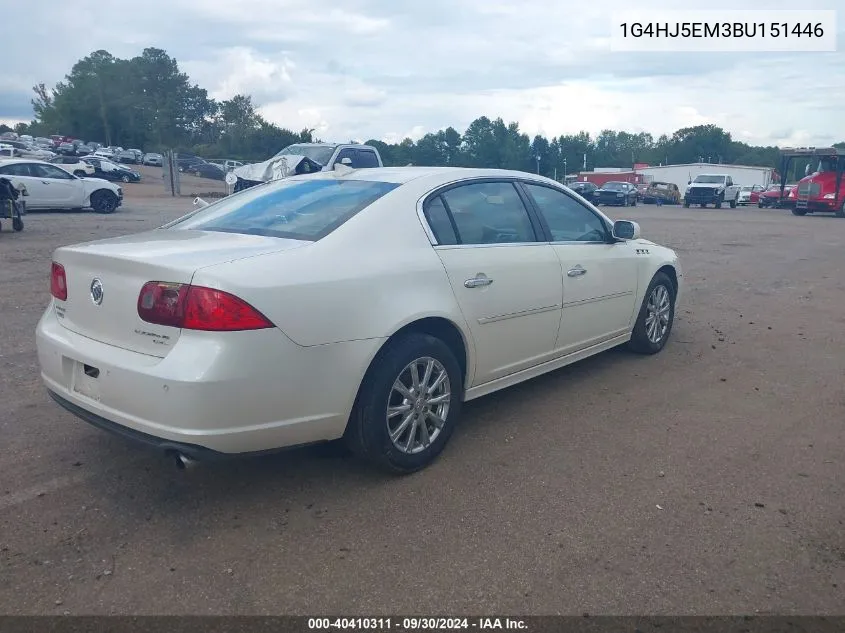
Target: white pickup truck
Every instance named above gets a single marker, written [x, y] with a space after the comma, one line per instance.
[715, 189]
[304, 158]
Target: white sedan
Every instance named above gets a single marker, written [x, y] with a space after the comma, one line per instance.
[51, 187]
[358, 304]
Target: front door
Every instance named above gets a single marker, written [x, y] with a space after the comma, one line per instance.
[599, 276]
[61, 190]
[506, 279]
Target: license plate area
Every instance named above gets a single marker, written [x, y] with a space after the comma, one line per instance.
[85, 380]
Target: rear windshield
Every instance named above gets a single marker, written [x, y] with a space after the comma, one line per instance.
[299, 210]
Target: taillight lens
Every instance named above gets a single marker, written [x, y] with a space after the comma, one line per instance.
[58, 282]
[197, 308]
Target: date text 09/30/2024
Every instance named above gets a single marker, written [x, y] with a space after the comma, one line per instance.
[416, 624]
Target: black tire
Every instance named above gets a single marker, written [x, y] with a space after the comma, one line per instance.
[634, 202]
[799, 211]
[640, 341]
[367, 433]
[686, 204]
[125, 178]
[759, 204]
[718, 204]
[103, 201]
[703, 206]
[840, 212]
[17, 224]
[733, 203]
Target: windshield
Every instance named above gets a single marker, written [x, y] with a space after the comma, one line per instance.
[614, 186]
[294, 209]
[710, 180]
[826, 164]
[318, 153]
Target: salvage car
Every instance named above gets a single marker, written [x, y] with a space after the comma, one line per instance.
[305, 158]
[214, 335]
[746, 195]
[584, 189]
[715, 189]
[662, 192]
[50, 187]
[106, 169]
[772, 197]
[206, 170]
[621, 194]
[153, 159]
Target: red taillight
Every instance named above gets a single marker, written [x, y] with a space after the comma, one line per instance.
[197, 308]
[58, 282]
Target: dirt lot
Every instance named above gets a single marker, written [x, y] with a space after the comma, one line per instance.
[705, 480]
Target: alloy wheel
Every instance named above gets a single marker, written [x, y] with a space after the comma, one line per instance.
[418, 405]
[658, 311]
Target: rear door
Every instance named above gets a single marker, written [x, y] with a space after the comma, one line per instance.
[505, 276]
[599, 276]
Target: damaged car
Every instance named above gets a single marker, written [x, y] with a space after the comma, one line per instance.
[304, 158]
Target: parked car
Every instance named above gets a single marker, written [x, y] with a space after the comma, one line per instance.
[129, 156]
[584, 189]
[665, 192]
[73, 165]
[66, 149]
[241, 350]
[614, 193]
[745, 193]
[302, 158]
[185, 161]
[108, 170]
[206, 170]
[50, 187]
[771, 197]
[715, 189]
[153, 159]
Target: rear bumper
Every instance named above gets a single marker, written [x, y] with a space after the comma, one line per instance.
[246, 392]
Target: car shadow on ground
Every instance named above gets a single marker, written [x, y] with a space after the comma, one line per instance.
[138, 480]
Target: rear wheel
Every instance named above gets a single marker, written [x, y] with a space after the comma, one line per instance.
[17, 224]
[733, 203]
[657, 314]
[408, 405]
[799, 211]
[841, 212]
[103, 201]
[759, 204]
[686, 204]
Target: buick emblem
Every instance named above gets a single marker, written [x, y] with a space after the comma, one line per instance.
[96, 291]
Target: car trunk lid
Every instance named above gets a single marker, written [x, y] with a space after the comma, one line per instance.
[104, 280]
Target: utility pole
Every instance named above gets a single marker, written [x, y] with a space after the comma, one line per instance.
[538, 164]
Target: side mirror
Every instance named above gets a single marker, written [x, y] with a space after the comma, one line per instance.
[626, 230]
[346, 161]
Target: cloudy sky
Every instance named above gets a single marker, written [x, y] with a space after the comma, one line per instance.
[387, 69]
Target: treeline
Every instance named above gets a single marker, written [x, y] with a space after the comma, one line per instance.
[148, 103]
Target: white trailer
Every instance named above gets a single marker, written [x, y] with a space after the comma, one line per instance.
[681, 175]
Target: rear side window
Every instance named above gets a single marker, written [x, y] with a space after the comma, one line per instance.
[16, 169]
[367, 158]
[300, 210]
[439, 222]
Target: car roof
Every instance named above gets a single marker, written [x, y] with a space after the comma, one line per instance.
[437, 175]
[13, 161]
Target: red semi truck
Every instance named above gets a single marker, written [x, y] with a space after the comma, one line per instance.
[822, 189]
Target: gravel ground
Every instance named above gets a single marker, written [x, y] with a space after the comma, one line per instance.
[705, 480]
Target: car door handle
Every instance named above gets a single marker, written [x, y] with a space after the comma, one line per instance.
[577, 271]
[479, 280]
